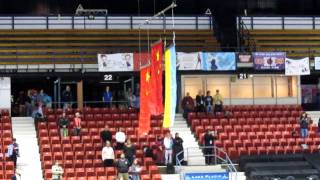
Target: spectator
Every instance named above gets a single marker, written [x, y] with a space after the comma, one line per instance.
[177, 148]
[132, 100]
[218, 102]
[107, 155]
[40, 97]
[209, 102]
[21, 101]
[168, 143]
[200, 102]
[158, 149]
[187, 105]
[304, 125]
[107, 97]
[47, 100]
[57, 171]
[123, 168]
[13, 152]
[120, 139]
[135, 170]
[29, 103]
[209, 138]
[67, 97]
[106, 135]
[37, 114]
[63, 124]
[77, 124]
[129, 151]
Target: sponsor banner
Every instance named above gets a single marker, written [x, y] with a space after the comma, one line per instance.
[206, 176]
[244, 57]
[115, 62]
[317, 63]
[296, 67]
[189, 61]
[269, 60]
[218, 61]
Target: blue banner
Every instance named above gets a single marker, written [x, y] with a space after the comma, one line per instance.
[221, 61]
[207, 176]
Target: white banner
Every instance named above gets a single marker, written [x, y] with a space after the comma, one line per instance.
[296, 67]
[115, 62]
[189, 61]
[317, 63]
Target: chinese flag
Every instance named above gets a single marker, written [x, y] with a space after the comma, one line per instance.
[156, 76]
[145, 100]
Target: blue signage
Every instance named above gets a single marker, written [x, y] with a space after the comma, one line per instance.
[207, 176]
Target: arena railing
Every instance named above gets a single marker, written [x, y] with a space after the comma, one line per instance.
[93, 104]
[219, 156]
[280, 22]
[195, 22]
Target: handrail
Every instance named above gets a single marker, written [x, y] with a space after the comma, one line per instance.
[102, 22]
[245, 37]
[216, 155]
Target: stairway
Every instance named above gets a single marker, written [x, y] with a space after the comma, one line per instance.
[29, 163]
[192, 153]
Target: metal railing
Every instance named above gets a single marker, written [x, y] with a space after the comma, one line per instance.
[103, 22]
[219, 156]
[280, 22]
[245, 41]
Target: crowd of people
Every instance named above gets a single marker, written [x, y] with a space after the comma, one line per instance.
[202, 103]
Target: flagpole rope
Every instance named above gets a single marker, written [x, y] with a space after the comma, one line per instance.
[173, 31]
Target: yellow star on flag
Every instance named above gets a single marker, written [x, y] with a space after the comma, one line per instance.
[147, 76]
[158, 56]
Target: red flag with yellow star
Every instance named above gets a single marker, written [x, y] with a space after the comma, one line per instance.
[145, 100]
[156, 76]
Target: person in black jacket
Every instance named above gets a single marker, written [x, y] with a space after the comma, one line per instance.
[209, 102]
[177, 148]
[123, 168]
[200, 100]
[304, 125]
[67, 97]
[209, 138]
[129, 151]
[106, 134]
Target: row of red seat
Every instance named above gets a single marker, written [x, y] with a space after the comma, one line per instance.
[89, 110]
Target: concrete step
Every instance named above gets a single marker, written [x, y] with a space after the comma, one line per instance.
[170, 176]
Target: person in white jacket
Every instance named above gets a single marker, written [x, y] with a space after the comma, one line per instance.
[108, 155]
[168, 145]
[57, 171]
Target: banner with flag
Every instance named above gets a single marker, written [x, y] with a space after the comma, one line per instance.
[145, 100]
[170, 87]
[156, 77]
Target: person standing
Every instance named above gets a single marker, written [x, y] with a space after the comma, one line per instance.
[132, 100]
[67, 98]
[57, 171]
[168, 145]
[120, 139]
[106, 135]
[63, 124]
[107, 97]
[209, 102]
[40, 97]
[200, 102]
[107, 155]
[77, 124]
[135, 170]
[123, 168]
[187, 105]
[304, 125]
[178, 148]
[29, 107]
[209, 138]
[218, 102]
[129, 151]
[13, 152]
[21, 101]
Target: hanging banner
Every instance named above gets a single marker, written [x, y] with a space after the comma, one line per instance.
[296, 67]
[115, 62]
[317, 63]
[170, 87]
[269, 60]
[156, 76]
[140, 60]
[244, 57]
[221, 61]
[189, 61]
